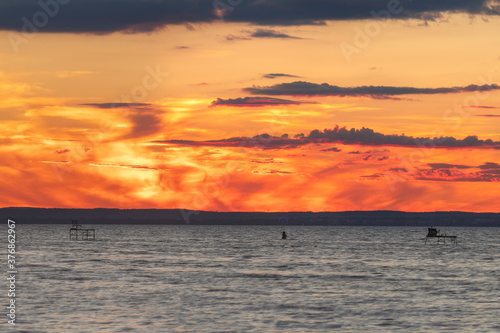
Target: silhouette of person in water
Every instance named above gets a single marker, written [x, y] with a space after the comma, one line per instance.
[283, 236]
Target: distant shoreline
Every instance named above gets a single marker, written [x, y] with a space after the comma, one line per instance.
[26, 215]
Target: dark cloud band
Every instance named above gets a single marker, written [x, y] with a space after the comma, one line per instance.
[363, 136]
[302, 88]
[137, 16]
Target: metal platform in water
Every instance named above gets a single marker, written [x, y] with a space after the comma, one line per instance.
[77, 232]
[434, 233]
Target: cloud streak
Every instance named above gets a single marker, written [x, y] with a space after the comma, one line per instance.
[334, 149]
[481, 107]
[302, 88]
[62, 151]
[268, 33]
[448, 166]
[115, 105]
[232, 37]
[253, 101]
[139, 16]
[277, 75]
[126, 166]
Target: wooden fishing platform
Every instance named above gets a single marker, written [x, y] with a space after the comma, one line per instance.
[77, 232]
[434, 233]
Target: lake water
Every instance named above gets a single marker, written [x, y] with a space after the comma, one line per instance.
[189, 278]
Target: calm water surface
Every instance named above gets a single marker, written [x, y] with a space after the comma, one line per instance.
[246, 279]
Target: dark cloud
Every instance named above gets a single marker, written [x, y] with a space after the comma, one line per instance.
[263, 141]
[182, 47]
[302, 88]
[268, 33]
[367, 136]
[447, 176]
[481, 107]
[279, 172]
[334, 149]
[448, 166]
[106, 16]
[235, 37]
[488, 115]
[62, 151]
[489, 166]
[142, 16]
[363, 136]
[189, 26]
[376, 175]
[398, 169]
[265, 161]
[115, 105]
[489, 172]
[275, 75]
[253, 101]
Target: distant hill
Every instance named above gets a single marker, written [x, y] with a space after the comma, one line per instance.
[180, 216]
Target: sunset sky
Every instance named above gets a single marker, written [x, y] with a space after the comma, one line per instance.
[251, 105]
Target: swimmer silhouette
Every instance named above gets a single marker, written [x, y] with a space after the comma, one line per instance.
[283, 236]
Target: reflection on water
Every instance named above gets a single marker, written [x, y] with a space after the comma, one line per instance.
[246, 279]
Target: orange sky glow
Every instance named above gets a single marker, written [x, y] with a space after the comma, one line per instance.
[221, 115]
